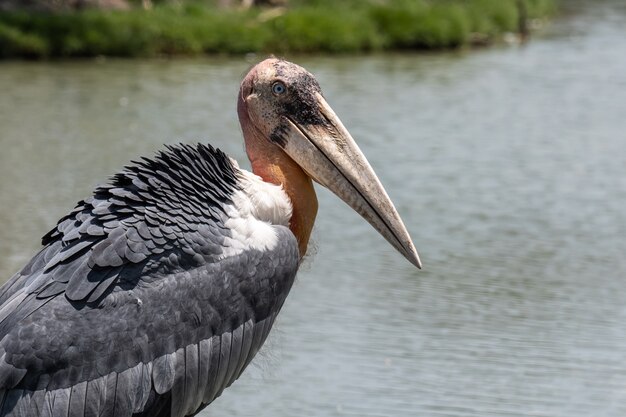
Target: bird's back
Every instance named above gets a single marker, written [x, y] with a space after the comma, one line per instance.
[151, 296]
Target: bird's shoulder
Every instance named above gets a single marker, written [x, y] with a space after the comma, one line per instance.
[188, 206]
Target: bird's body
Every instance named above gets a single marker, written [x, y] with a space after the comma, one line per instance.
[167, 301]
[153, 295]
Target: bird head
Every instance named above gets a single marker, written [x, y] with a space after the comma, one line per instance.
[281, 104]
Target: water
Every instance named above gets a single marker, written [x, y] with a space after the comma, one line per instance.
[507, 165]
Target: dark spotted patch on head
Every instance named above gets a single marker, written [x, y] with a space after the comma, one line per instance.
[300, 104]
[279, 136]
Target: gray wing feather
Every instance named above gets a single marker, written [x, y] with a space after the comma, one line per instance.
[36, 403]
[224, 361]
[11, 304]
[127, 384]
[143, 387]
[235, 354]
[178, 390]
[29, 273]
[97, 290]
[61, 402]
[107, 406]
[77, 288]
[192, 368]
[48, 404]
[96, 394]
[265, 330]
[51, 288]
[214, 363]
[13, 284]
[204, 367]
[110, 252]
[248, 333]
[78, 397]
[257, 335]
[164, 372]
[10, 375]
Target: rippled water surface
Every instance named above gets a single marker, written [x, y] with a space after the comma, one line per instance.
[507, 165]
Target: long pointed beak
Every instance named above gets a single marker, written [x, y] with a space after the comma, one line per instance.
[330, 156]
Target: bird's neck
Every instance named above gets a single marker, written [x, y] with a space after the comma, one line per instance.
[274, 166]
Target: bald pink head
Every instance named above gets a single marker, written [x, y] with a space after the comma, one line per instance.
[292, 136]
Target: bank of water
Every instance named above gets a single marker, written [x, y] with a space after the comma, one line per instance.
[195, 28]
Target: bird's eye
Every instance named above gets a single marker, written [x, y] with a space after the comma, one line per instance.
[278, 88]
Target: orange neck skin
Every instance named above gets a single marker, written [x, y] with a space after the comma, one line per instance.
[274, 166]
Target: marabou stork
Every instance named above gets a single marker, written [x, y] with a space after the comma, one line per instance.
[153, 295]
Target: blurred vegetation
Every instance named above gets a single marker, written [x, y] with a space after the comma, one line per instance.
[194, 27]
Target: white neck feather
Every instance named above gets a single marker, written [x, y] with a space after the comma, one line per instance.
[265, 202]
[256, 209]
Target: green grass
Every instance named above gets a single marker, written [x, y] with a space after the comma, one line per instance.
[307, 26]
